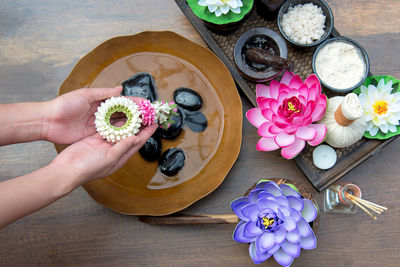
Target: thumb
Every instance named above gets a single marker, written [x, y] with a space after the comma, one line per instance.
[144, 134]
[95, 94]
[126, 145]
[123, 146]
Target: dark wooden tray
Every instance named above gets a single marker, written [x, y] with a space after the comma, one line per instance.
[222, 45]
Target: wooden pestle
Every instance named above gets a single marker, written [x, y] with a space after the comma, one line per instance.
[261, 56]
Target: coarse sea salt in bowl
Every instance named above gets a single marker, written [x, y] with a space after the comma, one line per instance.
[305, 23]
[341, 64]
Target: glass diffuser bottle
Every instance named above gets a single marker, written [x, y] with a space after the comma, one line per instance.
[335, 199]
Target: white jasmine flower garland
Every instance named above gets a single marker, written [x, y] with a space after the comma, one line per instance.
[149, 113]
[162, 112]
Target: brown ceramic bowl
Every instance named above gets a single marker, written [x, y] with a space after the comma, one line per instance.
[139, 188]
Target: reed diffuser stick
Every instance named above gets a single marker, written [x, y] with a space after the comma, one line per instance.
[363, 204]
[369, 202]
[364, 209]
[359, 200]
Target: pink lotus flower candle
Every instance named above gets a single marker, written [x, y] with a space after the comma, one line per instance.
[285, 113]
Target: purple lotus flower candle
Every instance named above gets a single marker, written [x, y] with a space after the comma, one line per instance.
[274, 220]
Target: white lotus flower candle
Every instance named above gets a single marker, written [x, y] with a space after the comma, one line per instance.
[220, 7]
[381, 107]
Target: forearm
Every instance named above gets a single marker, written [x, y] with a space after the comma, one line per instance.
[22, 122]
[26, 194]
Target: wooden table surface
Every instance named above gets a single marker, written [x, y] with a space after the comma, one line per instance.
[40, 41]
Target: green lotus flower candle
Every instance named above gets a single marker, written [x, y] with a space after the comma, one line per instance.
[220, 7]
[221, 12]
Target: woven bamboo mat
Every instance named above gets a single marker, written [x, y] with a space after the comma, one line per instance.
[302, 60]
[223, 45]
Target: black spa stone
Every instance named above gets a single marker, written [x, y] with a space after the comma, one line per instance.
[196, 121]
[171, 161]
[151, 150]
[175, 129]
[142, 85]
[187, 98]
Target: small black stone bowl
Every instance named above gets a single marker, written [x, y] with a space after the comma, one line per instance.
[361, 52]
[260, 38]
[268, 8]
[325, 9]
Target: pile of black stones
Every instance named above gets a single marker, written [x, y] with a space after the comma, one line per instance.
[189, 104]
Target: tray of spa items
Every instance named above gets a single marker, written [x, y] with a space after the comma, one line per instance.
[269, 51]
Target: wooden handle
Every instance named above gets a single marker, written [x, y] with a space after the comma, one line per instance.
[261, 56]
[202, 218]
[190, 219]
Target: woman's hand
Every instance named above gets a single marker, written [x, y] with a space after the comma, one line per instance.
[71, 116]
[93, 157]
[86, 160]
[89, 156]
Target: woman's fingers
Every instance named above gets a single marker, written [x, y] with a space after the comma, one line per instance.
[146, 132]
[127, 147]
[96, 94]
[123, 146]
